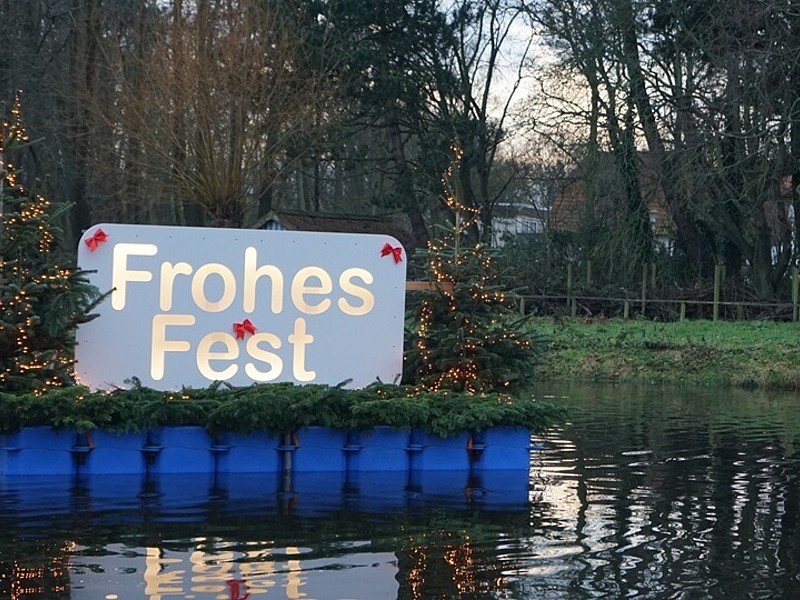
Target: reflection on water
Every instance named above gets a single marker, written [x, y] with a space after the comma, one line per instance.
[646, 493]
[655, 493]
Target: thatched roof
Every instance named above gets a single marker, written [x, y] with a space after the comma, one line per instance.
[396, 224]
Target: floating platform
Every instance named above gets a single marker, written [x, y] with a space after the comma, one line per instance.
[189, 449]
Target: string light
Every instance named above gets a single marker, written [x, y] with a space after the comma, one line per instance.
[31, 280]
[466, 311]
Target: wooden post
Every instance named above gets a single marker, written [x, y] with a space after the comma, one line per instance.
[644, 285]
[569, 283]
[795, 290]
[683, 311]
[589, 273]
[626, 309]
[652, 276]
[287, 474]
[574, 307]
[717, 281]
[421, 286]
[287, 444]
[739, 312]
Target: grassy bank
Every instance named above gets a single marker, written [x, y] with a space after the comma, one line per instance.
[741, 354]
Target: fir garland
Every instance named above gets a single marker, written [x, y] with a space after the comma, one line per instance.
[277, 408]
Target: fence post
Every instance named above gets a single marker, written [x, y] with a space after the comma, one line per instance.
[589, 273]
[652, 276]
[644, 285]
[574, 307]
[683, 311]
[626, 309]
[569, 283]
[717, 278]
[795, 289]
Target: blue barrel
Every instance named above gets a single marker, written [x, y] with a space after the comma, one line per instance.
[502, 448]
[114, 497]
[442, 488]
[253, 453]
[432, 453]
[109, 453]
[183, 449]
[178, 496]
[500, 489]
[315, 493]
[319, 449]
[38, 451]
[378, 449]
[32, 496]
[237, 493]
[377, 491]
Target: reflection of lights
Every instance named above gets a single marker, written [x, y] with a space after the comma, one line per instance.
[467, 571]
[416, 574]
[158, 579]
[37, 581]
[213, 564]
[460, 558]
[293, 579]
[219, 568]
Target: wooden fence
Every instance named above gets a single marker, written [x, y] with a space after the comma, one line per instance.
[572, 301]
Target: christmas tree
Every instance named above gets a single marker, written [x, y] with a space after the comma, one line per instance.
[40, 302]
[470, 335]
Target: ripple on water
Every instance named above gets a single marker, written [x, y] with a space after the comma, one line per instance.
[645, 493]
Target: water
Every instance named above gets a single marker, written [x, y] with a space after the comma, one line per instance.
[645, 493]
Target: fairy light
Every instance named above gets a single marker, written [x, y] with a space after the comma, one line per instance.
[465, 302]
[416, 574]
[39, 579]
[25, 226]
[465, 215]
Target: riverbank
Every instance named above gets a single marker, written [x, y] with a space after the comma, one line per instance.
[740, 354]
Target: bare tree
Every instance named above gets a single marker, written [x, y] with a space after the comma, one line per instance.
[210, 103]
[491, 45]
[591, 117]
[707, 90]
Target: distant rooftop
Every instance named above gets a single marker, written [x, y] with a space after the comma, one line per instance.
[394, 224]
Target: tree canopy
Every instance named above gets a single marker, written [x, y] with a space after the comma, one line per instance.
[214, 112]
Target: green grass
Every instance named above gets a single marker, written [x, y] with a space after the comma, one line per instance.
[742, 354]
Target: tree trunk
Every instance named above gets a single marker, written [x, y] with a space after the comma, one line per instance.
[688, 234]
[83, 51]
[794, 132]
[404, 181]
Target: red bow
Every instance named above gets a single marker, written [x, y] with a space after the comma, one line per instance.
[234, 585]
[245, 326]
[395, 251]
[95, 240]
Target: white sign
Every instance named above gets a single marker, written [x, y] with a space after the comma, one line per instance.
[191, 306]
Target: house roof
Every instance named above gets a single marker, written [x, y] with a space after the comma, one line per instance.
[569, 203]
[395, 224]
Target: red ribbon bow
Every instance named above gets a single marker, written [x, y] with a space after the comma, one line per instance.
[99, 237]
[234, 585]
[395, 251]
[245, 326]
